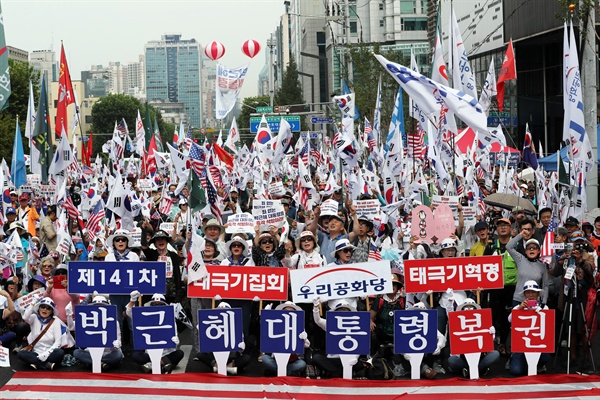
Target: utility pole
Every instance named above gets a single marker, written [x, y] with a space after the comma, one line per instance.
[271, 45]
[590, 86]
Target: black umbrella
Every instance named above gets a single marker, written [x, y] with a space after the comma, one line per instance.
[508, 201]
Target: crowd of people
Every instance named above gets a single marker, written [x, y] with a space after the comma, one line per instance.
[43, 335]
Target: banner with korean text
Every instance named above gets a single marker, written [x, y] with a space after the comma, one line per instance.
[95, 325]
[470, 331]
[117, 277]
[458, 273]
[267, 213]
[532, 331]
[268, 283]
[336, 282]
[153, 327]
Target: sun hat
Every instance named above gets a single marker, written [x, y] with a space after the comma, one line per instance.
[531, 285]
[305, 234]
[45, 301]
[237, 239]
[118, 233]
[213, 222]
[341, 245]
[156, 298]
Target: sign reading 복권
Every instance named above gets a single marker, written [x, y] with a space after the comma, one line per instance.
[415, 331]
[268, 283]
[220, 329]
[153, 327]
[458, 273]
[280, 330]
[267, 213]
[336, 282]
[532, 331]
[348, 332]
[117, 277]
[95, 325]
[368, 208]
[470, 331]
[240, 223]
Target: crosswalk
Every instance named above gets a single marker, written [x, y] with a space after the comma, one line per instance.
[81, 385]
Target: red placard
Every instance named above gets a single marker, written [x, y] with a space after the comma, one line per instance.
[458, 273]
[532, 331]
[268, 283]
[470, 331]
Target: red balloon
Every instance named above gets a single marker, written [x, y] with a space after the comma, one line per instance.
[214, 50]
[251, 48]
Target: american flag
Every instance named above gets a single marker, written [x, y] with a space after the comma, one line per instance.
[547, 250]
[370, 138]
[93, 222]
[188, 138]
[68, 205]
[197, 157]
[213, 198]
[122, 128]
[315, 155]
[481, 204]
[374, 253]
[165, 205]
[416, 144]
[460, 189]
[480, 172]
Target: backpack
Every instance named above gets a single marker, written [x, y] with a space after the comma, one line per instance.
[379, 371]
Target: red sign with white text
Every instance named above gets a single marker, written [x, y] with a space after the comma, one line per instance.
[470, 331]
[267, 283]
[457, 273]
[532, 331]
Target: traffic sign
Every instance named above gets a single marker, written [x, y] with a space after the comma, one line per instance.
[321, 120]
[279, 109]
[202, 131]
[273, 122]
[264, 109]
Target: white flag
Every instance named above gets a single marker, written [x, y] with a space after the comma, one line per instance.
[488, 90]
[140, 135]
[233, 137]
[345, 103]
[195, 264]
[462, 74]
[228, 85]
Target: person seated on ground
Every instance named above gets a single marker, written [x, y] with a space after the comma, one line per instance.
[14, 321]
[382, 315]
[45, 339]
[170, 356]
[428, 359]
[112, 356]
[331, 363]
[517, 363]
[296, 363]
[236, 362]
[457, 364]
[57, 290]
[7, 336]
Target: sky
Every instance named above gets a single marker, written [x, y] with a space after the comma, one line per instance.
[95, 32]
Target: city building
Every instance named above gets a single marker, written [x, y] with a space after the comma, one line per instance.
[172, 67]
[17, 54]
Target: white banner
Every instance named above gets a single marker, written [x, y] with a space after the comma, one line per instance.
[341, 281]
[367, 208]
[240, 223]
[228, 84]
[23, 303]
[329, 207]
[267, 213]
[167, 227]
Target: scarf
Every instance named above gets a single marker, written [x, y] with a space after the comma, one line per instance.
[121, 257]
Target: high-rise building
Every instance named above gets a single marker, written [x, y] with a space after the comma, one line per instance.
[45, 62]
[17, 54]
[173, 74]
[135, 79]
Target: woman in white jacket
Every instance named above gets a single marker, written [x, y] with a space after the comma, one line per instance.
[46, 352]
[308, 254]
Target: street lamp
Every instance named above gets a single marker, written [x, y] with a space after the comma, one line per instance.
[271, 43]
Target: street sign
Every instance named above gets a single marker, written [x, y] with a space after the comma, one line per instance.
[202, 131]
[313, 135]
[321, 120]
[273, 122]
[264, 109]
[279, 109]
[299, 108]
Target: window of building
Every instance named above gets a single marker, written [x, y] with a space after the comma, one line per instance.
[414, 24]
[381, 6]
[353, 27]
[408, 6]
[381, 23]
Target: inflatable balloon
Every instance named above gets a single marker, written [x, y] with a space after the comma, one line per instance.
[214, 50]
[251, 48]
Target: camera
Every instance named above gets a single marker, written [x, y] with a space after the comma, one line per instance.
[581, 247]
[568, 246]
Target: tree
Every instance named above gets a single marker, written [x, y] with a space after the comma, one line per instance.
[291, 90]
[113, 108]
[20, 75]
[249, 107]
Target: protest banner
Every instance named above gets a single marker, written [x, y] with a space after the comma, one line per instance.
[367, 208]
[279, 331]
[268, 283]
[4, 356]
[145, 184]
[167, 227]
[220, 330]
[458, 273]
[47, 191]
[450, 201]
[267, 213]
[240, 223]
[532, 331]
[153, 327]
[112, 277]
[34, 180]
[95, 325]
[470, 331]
[348, 332]
[415, 331]
[336, 282]
[24, 302]
[329, 207]
[276, 189]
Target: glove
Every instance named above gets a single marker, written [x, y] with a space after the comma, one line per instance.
[303, 335]
[306, 343]
[429, 292]
[218, 298]
[492, 330]
[538, 309]
[450, 292]
[175, 340]
[256, 298]
[134, 296]
[117, 344]
[43, 356]
[316, 302]
[353, 361]
[242, 346]
[69, 311]
[269, 306]
[406, 357]
[437, 351]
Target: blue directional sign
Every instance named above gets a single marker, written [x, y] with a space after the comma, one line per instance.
[117, 277]
[280, 330]
[95, 325]
[153, 327]
[415, 331]
[321, 120]
[273, 122]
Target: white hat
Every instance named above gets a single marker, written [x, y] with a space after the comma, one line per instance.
[448, 243]
[304, 234]
[118, 233]
[342, 303]
[288, 304]
[223, 305]
[469, 303]
[99, 299]
[341, 245]
[532, 241]
[46, 301]
[156, 298]
[531, 285]
[237, 239]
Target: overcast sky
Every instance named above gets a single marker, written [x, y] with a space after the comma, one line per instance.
[98, 31]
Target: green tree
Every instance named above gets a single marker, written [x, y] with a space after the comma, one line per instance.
[20, 75]
[113, 108]
[249, 107]
[291, 90]
[366, 71]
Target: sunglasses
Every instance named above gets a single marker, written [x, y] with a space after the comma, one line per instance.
[237, 245]
[61, 273]
[267, 241]
[305, 240]
[348, 250]
[47, 265]
[45, 307]
[120, 239]
[532, 248]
